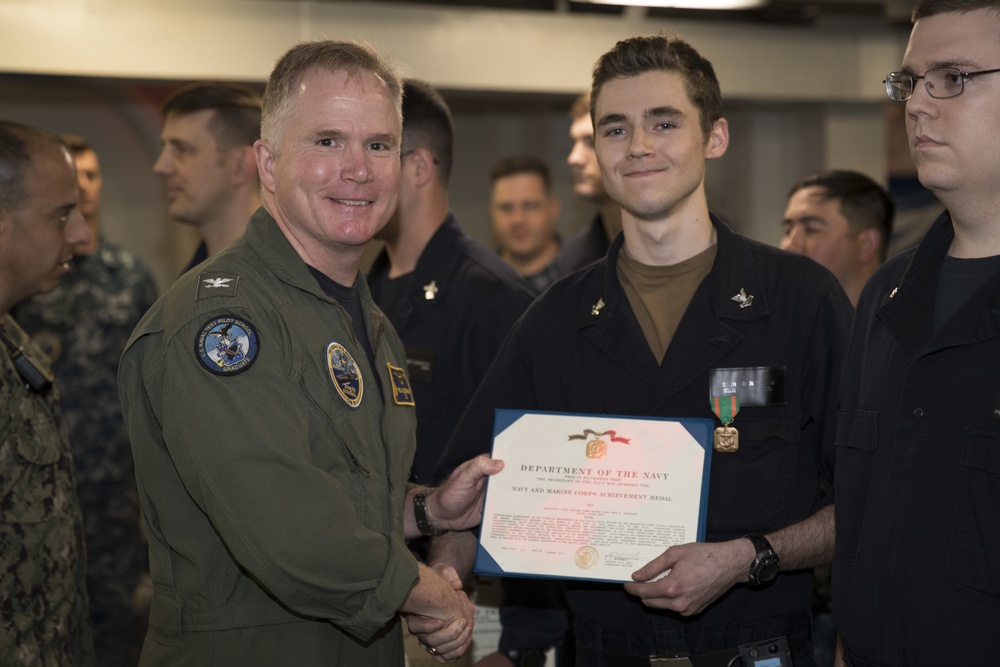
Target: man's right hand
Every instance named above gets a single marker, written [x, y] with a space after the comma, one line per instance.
[457, 503]
[440, 614]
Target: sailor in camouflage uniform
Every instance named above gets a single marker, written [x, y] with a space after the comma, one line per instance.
[43, 598]
[83, 326]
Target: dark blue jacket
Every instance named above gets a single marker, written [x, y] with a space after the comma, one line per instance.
[451, 337]
[569, 354]
[916, 574]
[585, 247]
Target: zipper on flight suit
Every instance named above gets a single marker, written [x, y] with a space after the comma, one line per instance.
[350, 327]
[377, 334]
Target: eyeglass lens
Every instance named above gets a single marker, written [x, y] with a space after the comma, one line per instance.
[941, 82]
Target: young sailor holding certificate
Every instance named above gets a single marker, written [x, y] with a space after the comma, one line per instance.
[681, 312]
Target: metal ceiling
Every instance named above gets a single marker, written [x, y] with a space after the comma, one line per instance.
[794, 12]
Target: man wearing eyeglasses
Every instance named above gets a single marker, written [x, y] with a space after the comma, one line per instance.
[916, 575]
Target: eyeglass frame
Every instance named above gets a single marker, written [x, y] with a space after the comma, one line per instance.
[963, 76]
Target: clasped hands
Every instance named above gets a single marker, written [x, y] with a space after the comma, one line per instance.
[439, 613]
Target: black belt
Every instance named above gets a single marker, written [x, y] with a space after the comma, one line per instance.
[725, 658]
[798, 644]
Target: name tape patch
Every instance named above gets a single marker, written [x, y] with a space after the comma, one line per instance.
[755, 386]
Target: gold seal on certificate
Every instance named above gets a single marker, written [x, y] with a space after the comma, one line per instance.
[586, 558]
[727, 439]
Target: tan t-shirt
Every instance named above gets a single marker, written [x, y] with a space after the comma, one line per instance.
[659, 295]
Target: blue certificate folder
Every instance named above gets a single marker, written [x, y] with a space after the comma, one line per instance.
[605, 467]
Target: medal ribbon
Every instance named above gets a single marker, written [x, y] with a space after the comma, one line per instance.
[725, 408]
[612, 435]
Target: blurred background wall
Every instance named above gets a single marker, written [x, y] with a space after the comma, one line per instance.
[800, 93]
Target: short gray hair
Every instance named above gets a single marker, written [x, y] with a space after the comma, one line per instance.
[332, 56]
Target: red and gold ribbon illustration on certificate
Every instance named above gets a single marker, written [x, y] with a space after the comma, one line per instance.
[597, 447]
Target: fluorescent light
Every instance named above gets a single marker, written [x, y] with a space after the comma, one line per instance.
[683, 4]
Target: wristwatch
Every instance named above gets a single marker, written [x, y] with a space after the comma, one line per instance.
[764, 567]
[531, 657]
[420, 515]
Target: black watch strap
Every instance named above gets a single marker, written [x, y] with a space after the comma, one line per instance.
[420, 514]
[760, 543]
[764, 567]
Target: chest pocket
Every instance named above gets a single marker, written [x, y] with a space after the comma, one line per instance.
[336, 451]
[975, 533]
[38, 474]
[751, 489]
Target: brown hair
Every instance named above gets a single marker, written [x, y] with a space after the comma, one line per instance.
[76, 144]
[925, 8]
[864, 203]
[522, 164]
[580, 106]
[427, 123]
[236, 121]
[638, 55]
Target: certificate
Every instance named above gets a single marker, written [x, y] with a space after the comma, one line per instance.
[592, 496]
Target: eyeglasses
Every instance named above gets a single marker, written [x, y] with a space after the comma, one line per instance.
[405, 153]
[940, 82]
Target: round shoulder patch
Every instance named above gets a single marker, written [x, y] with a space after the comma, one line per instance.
[227, 345]
[345, 374]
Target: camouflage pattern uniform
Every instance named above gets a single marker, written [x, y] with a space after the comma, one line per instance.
[43, 596]
[83, 326]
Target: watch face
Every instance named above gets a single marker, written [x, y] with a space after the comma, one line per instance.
[764, 572]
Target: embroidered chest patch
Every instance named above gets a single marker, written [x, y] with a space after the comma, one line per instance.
[227, 345]
[402, 394]
[345, 374]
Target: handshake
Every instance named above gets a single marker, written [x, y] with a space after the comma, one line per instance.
[437, 611]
